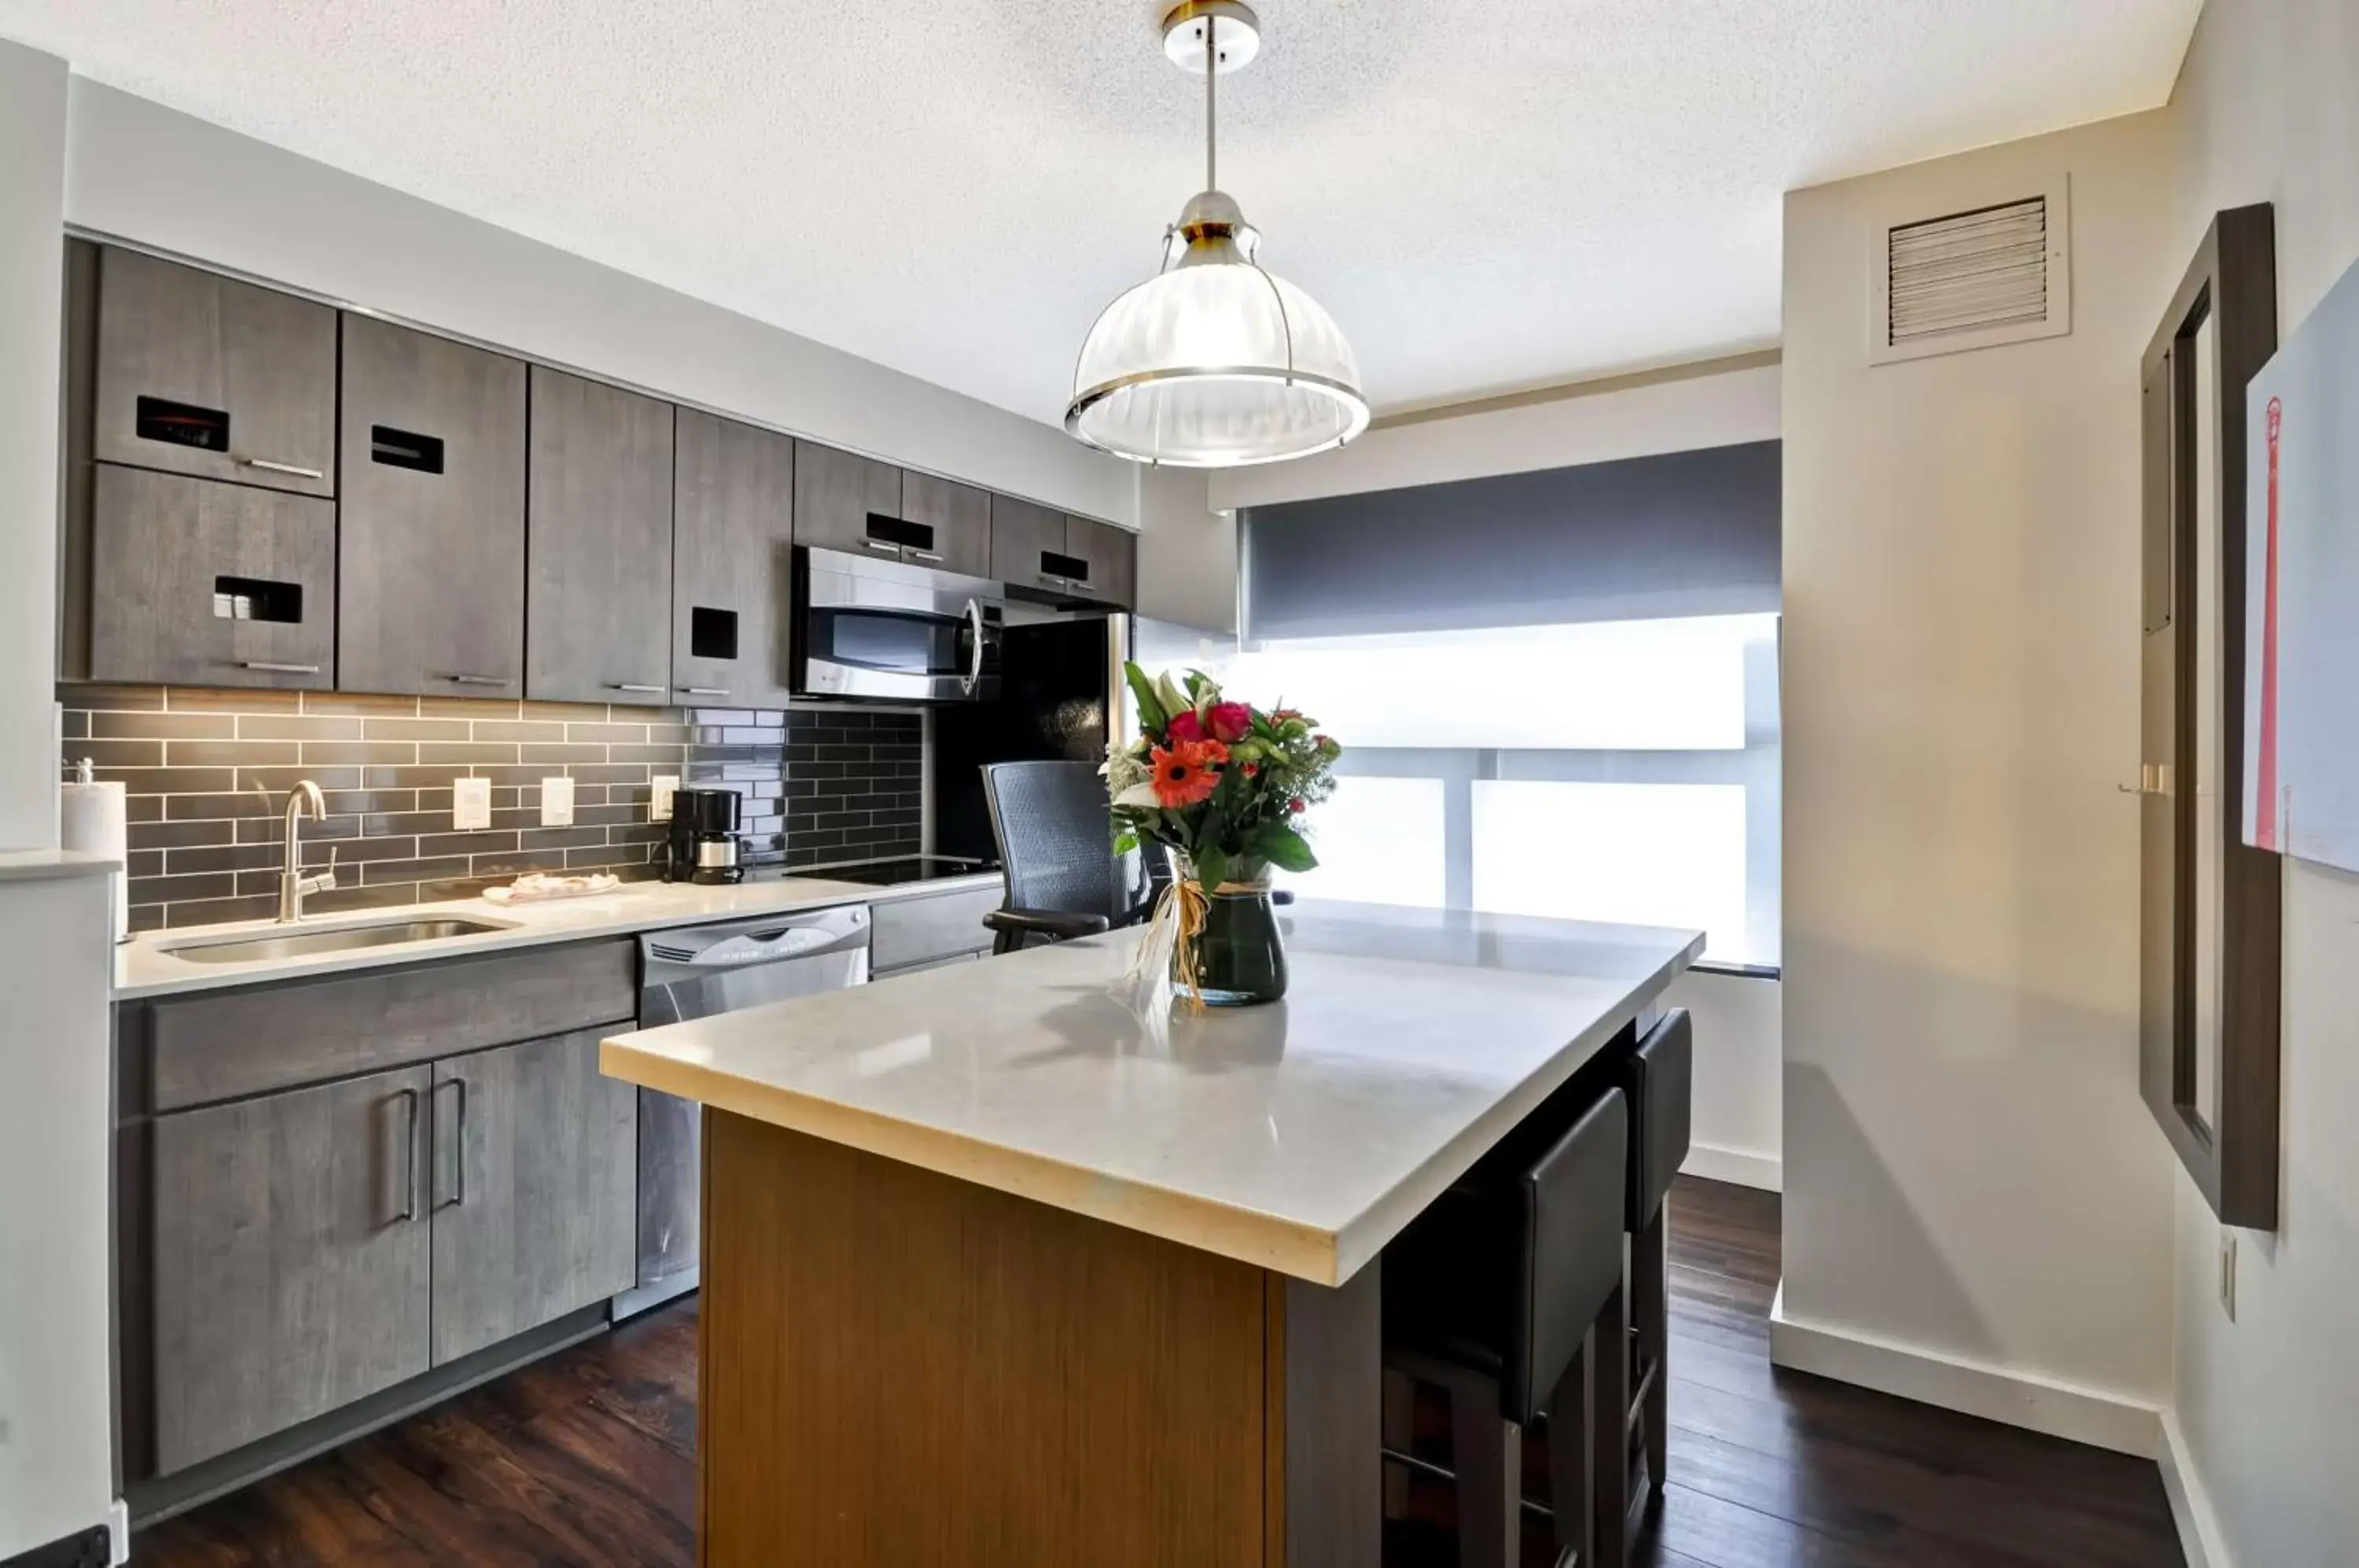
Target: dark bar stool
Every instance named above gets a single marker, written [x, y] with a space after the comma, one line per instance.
[1658, 1078]
[1506, 1293]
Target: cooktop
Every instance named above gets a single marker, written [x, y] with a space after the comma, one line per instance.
[887, 872]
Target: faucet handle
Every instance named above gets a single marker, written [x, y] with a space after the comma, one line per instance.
[325, 882]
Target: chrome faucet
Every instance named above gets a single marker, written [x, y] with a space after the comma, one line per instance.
[292, 883]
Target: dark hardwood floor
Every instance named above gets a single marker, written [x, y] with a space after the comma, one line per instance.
[589, 1457]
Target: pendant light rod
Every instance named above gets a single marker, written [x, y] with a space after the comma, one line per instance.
[1211, 103]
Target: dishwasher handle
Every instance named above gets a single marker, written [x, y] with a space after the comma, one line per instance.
[706, 949]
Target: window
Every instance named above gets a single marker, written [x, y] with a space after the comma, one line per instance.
[1617, 770]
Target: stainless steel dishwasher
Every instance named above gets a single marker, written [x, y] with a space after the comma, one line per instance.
[694, 972]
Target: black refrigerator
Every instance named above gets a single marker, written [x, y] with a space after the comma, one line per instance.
[1060, 685]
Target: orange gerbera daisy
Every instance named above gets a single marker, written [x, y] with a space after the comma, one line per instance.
[1187, 773]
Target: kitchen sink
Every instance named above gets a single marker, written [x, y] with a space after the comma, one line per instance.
[296, 941]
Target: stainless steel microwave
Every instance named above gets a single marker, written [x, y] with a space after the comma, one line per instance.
[892, 631]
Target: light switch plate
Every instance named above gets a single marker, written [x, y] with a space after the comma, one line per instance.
[659, 793]
[471, 804]
[557, 802]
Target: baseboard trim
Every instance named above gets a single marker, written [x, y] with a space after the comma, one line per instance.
[1975, 1388]
[2191, 1504]
[1740, 1167]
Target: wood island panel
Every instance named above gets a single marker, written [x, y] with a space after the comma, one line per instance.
[900, 1367]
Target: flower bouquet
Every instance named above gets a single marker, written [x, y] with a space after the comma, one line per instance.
[1223, 785]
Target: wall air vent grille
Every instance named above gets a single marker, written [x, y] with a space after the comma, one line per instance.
[1993, 273]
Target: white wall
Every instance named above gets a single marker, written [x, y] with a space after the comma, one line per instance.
[1715, 404]
[2267, 1405]
[1970, 1174]
[32, 187]
[140, 171]
[1737, 1131]
[1187, 551]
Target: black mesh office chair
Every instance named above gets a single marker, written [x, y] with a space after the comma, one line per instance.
[1056, 835]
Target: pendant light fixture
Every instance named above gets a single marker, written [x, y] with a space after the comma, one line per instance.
[1214, 361]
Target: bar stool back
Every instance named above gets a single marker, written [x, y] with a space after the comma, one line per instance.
[1658, 1078]
[1494, 1295]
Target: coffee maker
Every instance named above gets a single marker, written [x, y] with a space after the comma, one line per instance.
[702, 844]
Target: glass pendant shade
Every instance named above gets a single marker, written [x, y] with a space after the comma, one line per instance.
[1215, 363]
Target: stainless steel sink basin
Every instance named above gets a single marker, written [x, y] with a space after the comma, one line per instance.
[296, 941]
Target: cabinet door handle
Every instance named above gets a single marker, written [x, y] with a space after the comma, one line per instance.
[887, 546]
[704, 691]
[297, 469]
[480, 680]
[1060, 581]
[267, 667]
[929, 556]
[458, 1143]
[410, 1156]
[628, 686]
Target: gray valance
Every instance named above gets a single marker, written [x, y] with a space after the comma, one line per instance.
[1688, 533]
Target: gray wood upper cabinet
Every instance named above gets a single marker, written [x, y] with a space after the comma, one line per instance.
[598, 616]
[291, 1259]
[1111, 555]
[732, 554]
[200, 584]
[201, 375]
[535, 1200]
[1023, 536]
[836, 492]
[431, 593]
[959, 516]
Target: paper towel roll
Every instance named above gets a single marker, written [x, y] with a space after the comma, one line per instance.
[91, 818]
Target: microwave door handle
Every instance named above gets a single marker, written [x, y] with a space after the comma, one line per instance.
[974, 659]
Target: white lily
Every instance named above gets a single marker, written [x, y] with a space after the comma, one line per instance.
[1139, 795]
[1168, 692]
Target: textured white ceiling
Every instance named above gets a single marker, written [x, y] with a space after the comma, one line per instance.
[1486, 195]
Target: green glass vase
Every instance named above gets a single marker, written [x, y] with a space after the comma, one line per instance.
[1240, 957]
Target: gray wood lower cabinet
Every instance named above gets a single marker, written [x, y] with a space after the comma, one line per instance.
[291, 1260]
[535, 1200]
[302, 1247]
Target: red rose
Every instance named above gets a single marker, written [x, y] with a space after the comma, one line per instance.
[1231, 722]
[1183, 729]
[1297, 804]
[1253, 770]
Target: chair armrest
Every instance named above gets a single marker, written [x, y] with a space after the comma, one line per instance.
[1051, 923]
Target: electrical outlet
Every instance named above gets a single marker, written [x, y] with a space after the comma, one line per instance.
[471, 804]
[557, 802]
[659, 793]
[2228, 1274]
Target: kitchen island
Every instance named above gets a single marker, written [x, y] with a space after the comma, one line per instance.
[999, 1271]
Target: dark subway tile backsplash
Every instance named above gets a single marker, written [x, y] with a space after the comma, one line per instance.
[207, 774]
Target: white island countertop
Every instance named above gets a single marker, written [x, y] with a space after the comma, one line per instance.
[1298, 1136]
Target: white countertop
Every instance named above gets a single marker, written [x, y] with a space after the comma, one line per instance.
[49, 865]
[1300, 1135]
[144, 966]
